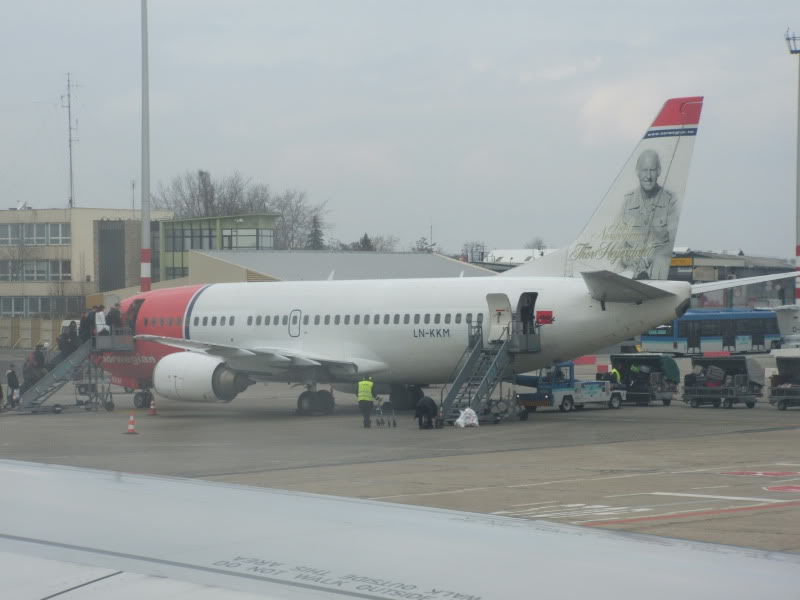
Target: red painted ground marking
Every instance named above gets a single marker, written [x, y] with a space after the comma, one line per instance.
[687, 515]
[783, 488]
[765, 473]
[586, 360]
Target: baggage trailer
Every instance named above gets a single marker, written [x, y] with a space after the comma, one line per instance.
[784, 386]
[723, 381]
[646, 377]
[557, 387]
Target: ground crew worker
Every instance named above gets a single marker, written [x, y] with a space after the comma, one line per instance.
[616, 378]
[366, 399]
[426, 412]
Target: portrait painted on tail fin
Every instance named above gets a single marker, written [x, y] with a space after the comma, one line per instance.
[648, 222]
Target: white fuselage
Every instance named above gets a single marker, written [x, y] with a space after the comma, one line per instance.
[414, 349]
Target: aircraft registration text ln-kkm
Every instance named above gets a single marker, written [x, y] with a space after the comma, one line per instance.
[207, 343]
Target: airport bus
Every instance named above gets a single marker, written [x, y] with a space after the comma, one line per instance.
[715, 330]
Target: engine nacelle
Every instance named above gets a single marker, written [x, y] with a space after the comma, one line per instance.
[196, 377]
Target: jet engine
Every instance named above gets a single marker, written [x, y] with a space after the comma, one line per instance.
[197, 377]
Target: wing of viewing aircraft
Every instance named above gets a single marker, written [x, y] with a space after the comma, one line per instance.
[83, 530]
[700, 288]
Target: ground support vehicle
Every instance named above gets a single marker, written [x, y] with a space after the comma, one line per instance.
[784, 386]
[723, 381]
[557, 386]
[646, 377]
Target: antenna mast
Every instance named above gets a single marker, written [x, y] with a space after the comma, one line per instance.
[71, 140]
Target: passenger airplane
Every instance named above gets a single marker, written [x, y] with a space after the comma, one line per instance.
[207, 343]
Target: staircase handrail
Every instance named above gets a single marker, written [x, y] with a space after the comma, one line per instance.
[43, 388]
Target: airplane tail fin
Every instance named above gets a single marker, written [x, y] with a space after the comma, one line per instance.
[632, 231]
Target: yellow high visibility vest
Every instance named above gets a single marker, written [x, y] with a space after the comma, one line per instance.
[616, 375]
[365, 390]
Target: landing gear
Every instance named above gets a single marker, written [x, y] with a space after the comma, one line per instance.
[142, 399]
[315, 402]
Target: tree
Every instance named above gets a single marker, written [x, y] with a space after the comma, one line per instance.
[537, 243]
[315, 238]
[199, 195]
[385, 243]
[423, 245]
[365, 244]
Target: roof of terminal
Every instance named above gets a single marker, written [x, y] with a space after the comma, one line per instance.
[315, 265]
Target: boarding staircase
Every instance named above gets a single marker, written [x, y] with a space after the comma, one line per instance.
[41, 391]
[37, 395]
[482, 368]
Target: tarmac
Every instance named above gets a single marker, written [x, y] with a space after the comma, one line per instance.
[719, 475]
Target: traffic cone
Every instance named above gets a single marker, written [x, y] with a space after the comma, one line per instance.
[152, 410]
[132, 425]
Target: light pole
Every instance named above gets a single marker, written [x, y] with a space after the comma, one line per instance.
[146, 254]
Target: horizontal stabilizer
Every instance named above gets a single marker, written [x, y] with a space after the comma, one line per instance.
[610, 287]
[701, 288]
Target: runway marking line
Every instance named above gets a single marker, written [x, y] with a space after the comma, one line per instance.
[709, 496]
[689, 515]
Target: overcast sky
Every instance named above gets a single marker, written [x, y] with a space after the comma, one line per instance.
[493, 121]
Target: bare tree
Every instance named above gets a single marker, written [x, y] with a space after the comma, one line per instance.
[199, 195]
[423, 245]
[385, 243]
[537, 243]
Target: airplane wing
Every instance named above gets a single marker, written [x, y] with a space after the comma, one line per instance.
[67, 528]
[274, 357]
[611, 287]
[700, 288]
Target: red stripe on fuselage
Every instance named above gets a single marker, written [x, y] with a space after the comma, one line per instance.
[680, 111]
[162, 313]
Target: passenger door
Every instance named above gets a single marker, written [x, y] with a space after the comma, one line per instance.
[693, 337]
[294, 322]
[499, 316]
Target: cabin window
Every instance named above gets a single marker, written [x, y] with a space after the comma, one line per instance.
[145, 321]
[276, 320]
[205, 321]
[196, 321]
[230, 321]
[258, 320]
[222, 320]
[336, 320]
[437, 318]
[316, 319]
[169, 323]
[458, 317]
[327, 319]
[427, 318]
[294, 319]
[162, 322]
[366, 319]
[305, 319]
[416, 318]
[469, 317]
[285, 319]
[347, 319]
[406, 318]
[377, 320]
[266, 320]
[356, 319]
[386, 319]
[447, 319]
[179, 321]
[397, 319]
[250, 320]
[480, 317]
[213, 321]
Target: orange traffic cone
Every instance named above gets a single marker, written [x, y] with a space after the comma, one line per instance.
[152, 410]
[132, 425]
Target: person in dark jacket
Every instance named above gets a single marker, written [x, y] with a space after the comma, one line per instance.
[13, 387]
[426, 412]
[114, 318]
[84, 332]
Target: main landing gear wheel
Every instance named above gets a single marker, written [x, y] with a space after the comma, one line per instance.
[323, 402]
[142, 399]
[305, 403]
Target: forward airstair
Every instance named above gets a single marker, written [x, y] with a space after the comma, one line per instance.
[481, 370]
[79, 362]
